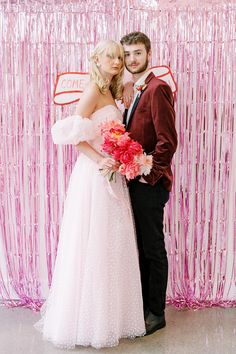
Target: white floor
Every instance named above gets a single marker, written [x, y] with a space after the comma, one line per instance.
[207, 331]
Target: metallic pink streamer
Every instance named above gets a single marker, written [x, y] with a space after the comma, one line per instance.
[40, 39]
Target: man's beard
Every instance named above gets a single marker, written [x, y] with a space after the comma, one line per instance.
[143, 68]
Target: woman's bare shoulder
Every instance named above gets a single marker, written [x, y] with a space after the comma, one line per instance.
[89, 100]
[92, 90]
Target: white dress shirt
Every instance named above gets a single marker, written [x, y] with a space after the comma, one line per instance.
[140, 81]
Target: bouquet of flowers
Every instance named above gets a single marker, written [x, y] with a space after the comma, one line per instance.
[129, 153]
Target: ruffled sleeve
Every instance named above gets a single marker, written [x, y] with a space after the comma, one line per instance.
[73, 130]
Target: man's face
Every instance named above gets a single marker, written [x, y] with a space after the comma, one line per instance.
[136, 57]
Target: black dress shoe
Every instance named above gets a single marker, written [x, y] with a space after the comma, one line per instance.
[153, 323]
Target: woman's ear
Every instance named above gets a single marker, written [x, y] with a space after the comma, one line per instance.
[96, 60]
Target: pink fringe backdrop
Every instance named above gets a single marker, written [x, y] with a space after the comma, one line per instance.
[198, 41]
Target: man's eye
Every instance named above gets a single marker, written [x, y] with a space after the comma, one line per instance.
[126, 54]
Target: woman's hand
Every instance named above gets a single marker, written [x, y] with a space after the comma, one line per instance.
[128, 94]
[107, 164]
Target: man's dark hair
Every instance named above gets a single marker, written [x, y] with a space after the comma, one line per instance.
[135, 38]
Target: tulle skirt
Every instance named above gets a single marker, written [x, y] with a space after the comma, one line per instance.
[95, 296]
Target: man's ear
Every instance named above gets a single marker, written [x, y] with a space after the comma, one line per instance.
[149, 55]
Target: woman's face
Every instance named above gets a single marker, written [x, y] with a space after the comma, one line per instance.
[110, 64]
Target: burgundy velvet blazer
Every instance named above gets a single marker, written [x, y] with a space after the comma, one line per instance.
[152, 124]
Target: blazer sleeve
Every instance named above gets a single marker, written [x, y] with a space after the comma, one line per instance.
[163, 116]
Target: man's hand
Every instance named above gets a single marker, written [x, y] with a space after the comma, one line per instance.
[142, 180]
[128, 94]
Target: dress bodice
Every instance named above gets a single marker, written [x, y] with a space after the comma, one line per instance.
[74, 129]
[108, 112]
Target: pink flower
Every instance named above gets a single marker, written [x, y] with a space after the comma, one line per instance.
[124, 140]
[109, 144]
[112, 126]
[145, 162]
[129, 170]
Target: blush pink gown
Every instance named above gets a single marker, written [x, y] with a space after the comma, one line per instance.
[95, 296]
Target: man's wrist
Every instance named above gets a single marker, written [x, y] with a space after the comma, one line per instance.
[142, 180]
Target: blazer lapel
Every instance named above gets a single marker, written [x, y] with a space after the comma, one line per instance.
[148, 79]
[133, 109]
[125, 117]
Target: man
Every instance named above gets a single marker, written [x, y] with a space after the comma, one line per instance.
[151, 121]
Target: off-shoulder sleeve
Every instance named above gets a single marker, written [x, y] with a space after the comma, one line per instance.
[73, 130]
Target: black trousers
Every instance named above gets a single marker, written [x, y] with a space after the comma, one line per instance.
[148, 204]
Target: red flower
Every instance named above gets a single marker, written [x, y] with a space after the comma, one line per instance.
[126, 157]
[141, 87]
[135, 148]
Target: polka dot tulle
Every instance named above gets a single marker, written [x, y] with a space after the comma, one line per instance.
[95, 297]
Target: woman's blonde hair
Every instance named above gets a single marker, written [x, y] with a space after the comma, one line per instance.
[116, 85]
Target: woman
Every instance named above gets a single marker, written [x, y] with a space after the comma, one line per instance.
[95, 297]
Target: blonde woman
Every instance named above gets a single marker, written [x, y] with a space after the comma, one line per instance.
[95, 297]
